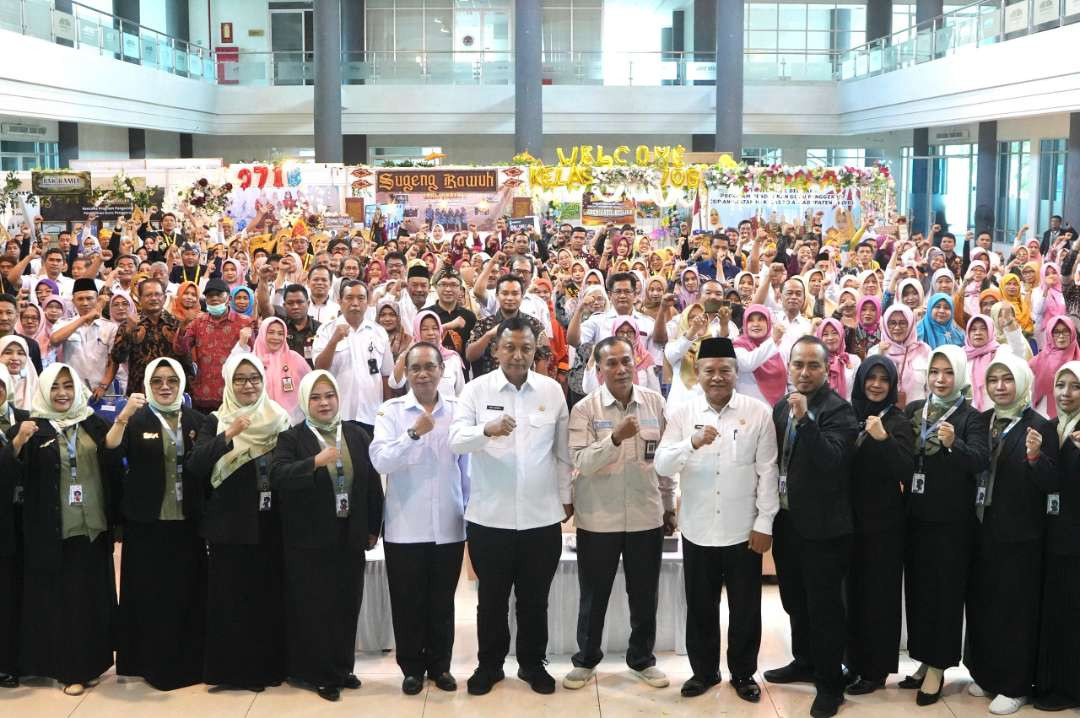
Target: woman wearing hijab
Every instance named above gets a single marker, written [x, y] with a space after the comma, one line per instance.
[883, 460]
[53, 310]
[1059, 348]
[987, 299]
[245, 641]
[30, 319]
[428, 328]
[950, 452]
[388, 316]
[11, 541]
[232, 273]
[910, 356]
[980, 345]
[1007, 330]
[1047, 300]
[762, 372]
[625, 328]
[1011, 503]
[185, 305]
[868, 326]
[909, 292]
[560, 351]
[1057, 683]
[1012, 291]
[242, 300]
[163, 570]
[688, 288]
[937, 327]
[842, 366]
[680, 353]
[331, 511]
[69, 589]
[15, 356]
[284, 367]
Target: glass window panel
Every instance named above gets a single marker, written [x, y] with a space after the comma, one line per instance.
[13, 146]
[409, 30]
[818, 40]
[380, 30]
[9, 163]
[762, 40]
[792, 40]
[555, 31]
[438, 30]
[587, 30]
[792, 17]
[818, 18]
[761, 16]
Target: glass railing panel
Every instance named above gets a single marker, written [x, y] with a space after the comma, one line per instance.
[180, 61]
[89, 33]
[37, 19]
[11, 15]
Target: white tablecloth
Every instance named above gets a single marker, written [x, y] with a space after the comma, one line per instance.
[563, 609]
[375, 631]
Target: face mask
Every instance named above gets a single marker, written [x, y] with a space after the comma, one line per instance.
[217, 310]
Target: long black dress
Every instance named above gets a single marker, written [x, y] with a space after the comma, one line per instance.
[11, 555]
[1059, 645]
[939, 538]
[1006, 578]
[245, 616]
[69, 586]
[877, 563]
[162, 615]
[324, 554]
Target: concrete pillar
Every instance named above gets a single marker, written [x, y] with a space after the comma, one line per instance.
[729, 76]
[1071, 210]
[352, 35]
[928, 9]
[136, 143]
[177, 19]
[986, 177]
[878, 19]
[355, 149]
[528, 90]
[68, 139]
[920, 181]
[328, 143]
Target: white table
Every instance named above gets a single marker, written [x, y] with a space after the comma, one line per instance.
[375, 629]
[563, 608]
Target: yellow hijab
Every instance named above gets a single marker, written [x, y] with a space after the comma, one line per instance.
[1020, 305]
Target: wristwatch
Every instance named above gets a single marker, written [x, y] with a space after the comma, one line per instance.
[412, 434]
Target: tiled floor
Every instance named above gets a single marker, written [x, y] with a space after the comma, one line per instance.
[615, 694]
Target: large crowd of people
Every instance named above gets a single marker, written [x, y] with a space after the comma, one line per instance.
[247, 413]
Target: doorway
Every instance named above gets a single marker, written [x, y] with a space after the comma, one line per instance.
[292, 41]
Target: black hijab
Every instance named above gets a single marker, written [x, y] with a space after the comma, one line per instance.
[862, 405]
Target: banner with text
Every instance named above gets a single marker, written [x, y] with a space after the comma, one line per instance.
[727, 209]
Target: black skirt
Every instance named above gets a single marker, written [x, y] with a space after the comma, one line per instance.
[11, 588]
[1003, 617]
[245, 616]
[873, 610]
[324, 588]
[68, 614]
[1059, 647]
[936, 568]
[161, 629]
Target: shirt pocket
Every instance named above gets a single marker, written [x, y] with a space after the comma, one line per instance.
[648, 440]
[541, 431]
[745, 449]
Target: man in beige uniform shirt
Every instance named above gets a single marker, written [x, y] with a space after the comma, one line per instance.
[622, 508]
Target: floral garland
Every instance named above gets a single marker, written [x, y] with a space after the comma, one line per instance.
[125, 191]
[9, 195]
[873, 184]
[208, 198]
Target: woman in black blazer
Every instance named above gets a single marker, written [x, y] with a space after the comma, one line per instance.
[950, 452]
[1011, 503]
[245, 634]
[163, 569]
[884, 459]
[69, 590]
[331, 511]
[1057, 682]
[11, 558]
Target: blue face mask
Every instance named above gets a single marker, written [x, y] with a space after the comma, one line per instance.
[217, 310]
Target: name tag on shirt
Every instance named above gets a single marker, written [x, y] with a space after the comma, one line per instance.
[603, 424]
[650, 423]
[264, 500]
[151, 435]
[492, 407]
[650, 449]
[75, 495]
[179, 487]
[699, 426]
[341, 504]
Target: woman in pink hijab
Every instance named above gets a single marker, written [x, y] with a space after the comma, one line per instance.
[1046, 299]
[1059, 348]
[842, 366]
[284, 367]
[900, 342]
[980, 345]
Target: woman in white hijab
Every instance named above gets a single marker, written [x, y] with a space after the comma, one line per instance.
[15, 356]
[10, 541]
[69, 588]
[245, 637]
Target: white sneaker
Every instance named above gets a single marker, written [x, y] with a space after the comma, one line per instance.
[578, 678]
[976, 690]
[653, 676]
[1004, 705]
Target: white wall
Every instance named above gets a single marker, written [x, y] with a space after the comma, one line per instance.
[51, 129]
[245, 15]
[102, 142]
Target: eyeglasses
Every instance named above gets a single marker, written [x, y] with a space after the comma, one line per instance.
[158, 382]
[622, 292]
[252, 379]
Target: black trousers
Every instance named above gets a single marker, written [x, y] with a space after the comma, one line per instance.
[937, 565]
[873, 603]
[525, 561]
[811, 575]
[707, 570]
[598, 560]
[423, 578]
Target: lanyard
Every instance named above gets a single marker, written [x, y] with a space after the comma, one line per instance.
[862, 434]
[339, 479]
[69, 442]
[177, 435]
[789, 444]
[198, 271]
[985, 491]
[262, 466]
[926, 431]
[10, 418]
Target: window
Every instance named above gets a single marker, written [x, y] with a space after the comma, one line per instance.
[378, 155]
[802, 27]
[20, 155]
[762, 155]
[1052, 157]
[838, 156]
[1013, 188]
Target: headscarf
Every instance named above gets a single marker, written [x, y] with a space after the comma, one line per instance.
[267, 418]
[872, 327]
[20, 329]
[772, 375]
[999, 333]
[979, 358]
[688, 368]
[23, 394]
[914, 284]
[1067, 422]
[859, 401]
[902, 353]
[1045, 364]
[251, 300]
[418, 320]
[176, 305]
[280, 364]
[838, 362]
[306, 386]
[371, 265]
[1053, 300]
[41, 406]
[1021, 306]
[937, 406]
[937, 333]
[239, 281]
[943, 272]
[989, 293]
[1024, 379]
[178, 401]
[9, 389]
[686, 297]
[400, 339]
[642, 358]
[560, 353]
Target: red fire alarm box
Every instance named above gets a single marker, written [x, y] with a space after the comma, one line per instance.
[228, 64]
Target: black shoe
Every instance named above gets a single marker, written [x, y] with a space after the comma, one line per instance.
[444, 682]
[8, 681]
[351, 682]
[826, 705]
[696, 686]
[929, 699]
[793, 672]
[329, 693]
[1054, 702]
[537, 678]
[483, 679]
[747, 688]
[911, 682]
[862, 686]
[412, 685]
[255, 689]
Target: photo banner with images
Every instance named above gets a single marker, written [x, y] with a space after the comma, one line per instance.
[728, 208]
[598, 212]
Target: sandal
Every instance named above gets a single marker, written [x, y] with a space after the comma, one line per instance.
[73, 689]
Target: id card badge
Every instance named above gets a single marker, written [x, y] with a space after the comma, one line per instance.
[75, 495]
[341, 502]
[650, 449]
[980, 496]
[1053, 504]
[286, 384]
[918, 484]
[307, 351]
[264, 501]
[783, 483]
[179, 488]
[17, 496]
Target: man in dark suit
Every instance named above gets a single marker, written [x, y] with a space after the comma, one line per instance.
[812, 532]
[1050, 235]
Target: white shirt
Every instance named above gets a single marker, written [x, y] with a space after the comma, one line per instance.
[531, 304]
[675, 351]
[728, 487]
[453, 378]
[323, 313]
[520, 481]
[361, 391]
[65, 284]
[795, 328]
[87, 349]
[427, 487]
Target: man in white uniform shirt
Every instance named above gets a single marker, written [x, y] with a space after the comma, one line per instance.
[513, 423]
[87, 339]
[788, 313]
[723, 447]
[356, 351]
[623, 289]
[322, 308]
[427, 488]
